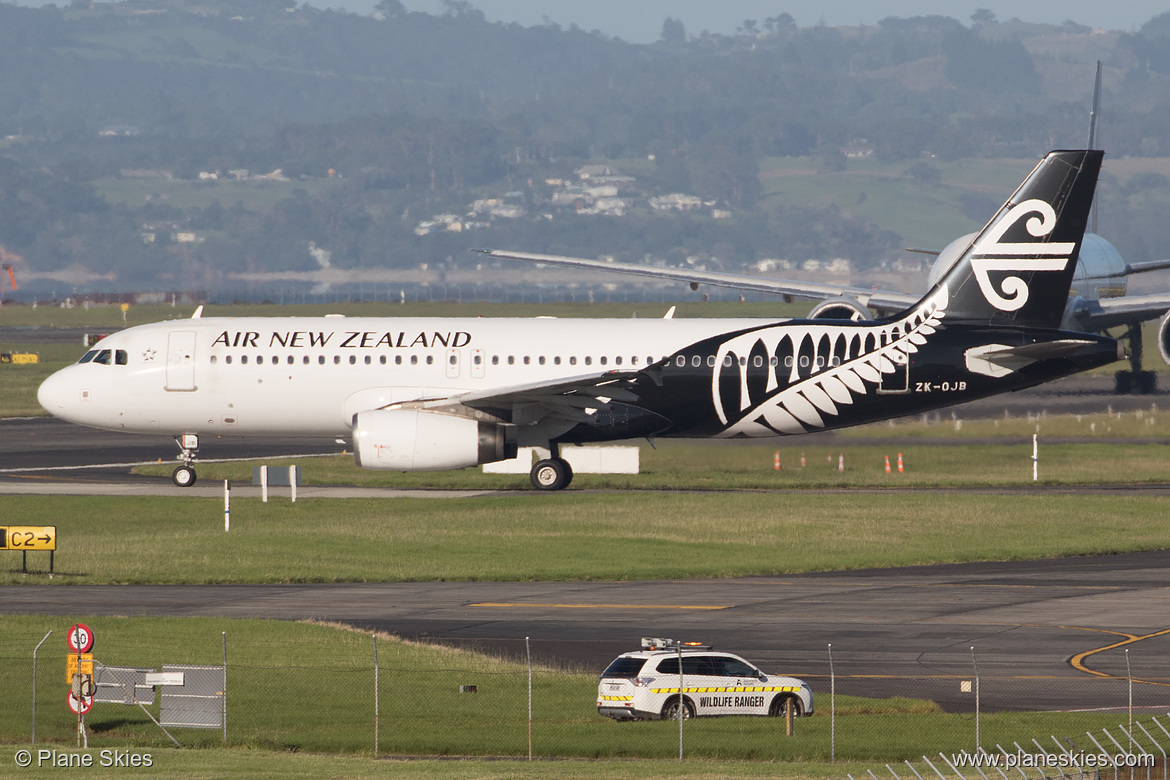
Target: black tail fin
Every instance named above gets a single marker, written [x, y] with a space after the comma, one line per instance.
[1019, 268]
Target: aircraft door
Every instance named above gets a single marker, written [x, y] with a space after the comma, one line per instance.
[181, 361]
[452, 364]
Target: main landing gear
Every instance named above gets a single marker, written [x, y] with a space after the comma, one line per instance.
[551, 473]
[184, 475]
[1135, 380]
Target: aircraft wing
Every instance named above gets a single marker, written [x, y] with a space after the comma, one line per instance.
[1105, 313]
[876, 299]
[567, 399]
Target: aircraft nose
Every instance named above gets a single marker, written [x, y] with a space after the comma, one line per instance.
[53, 394]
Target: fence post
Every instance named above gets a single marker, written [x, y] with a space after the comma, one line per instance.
[1098, 744]
[974, 663]
[1133, 742]
[1035, 459]
[35, 650]
[681, 705]
[832, 709]
[376, 709]
[1129, 675]
[932, 766]
[1042, 752]
[1157, 745]
[528, 652]
[224, 715]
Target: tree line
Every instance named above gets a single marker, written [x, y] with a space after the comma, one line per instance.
[417, 114]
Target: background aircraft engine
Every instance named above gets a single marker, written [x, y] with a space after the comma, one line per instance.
[414, 440]
[840, 309]
[1164, 338]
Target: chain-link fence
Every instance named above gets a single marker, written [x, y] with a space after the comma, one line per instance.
[292, 686]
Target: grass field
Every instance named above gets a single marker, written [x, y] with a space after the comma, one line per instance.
[570, 536]
[289, 720]
[296, 687]
[683, 465]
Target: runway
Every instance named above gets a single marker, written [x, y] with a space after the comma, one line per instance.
[1047, 634]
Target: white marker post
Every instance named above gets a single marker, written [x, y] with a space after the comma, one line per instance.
[264, 484]
[1035, 458]
[227, 505]
[292, 481]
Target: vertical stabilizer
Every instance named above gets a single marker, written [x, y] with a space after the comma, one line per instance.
[1019, 268]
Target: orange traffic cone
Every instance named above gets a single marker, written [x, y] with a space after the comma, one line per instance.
[899, 463]
[840, 462]
[776, 462]
[802, 460]
[887, 464]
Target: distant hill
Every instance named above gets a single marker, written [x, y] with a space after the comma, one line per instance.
[177, 142]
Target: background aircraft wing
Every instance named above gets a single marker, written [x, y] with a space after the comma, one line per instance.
[1097, 315]
[875, 299]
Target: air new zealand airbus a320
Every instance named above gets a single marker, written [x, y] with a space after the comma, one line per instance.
[431, 394]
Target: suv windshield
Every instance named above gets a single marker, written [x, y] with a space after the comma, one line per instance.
[624, 667]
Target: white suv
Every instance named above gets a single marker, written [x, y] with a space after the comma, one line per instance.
[644, 685]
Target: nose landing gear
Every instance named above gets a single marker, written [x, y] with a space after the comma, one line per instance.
[184, 475]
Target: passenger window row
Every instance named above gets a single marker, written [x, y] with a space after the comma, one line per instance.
[757, 361]
[399, 360]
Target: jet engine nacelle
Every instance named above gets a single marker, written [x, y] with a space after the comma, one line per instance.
[840, 309]
[1164, 338]
[418, 440]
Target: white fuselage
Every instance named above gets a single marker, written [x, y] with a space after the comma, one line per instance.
[286, 376]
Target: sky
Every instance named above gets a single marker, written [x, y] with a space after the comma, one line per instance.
[640, 21]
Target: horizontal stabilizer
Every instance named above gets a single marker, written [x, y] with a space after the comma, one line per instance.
[996, 360]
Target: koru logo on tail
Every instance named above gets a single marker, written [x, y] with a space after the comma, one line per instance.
[992, 254]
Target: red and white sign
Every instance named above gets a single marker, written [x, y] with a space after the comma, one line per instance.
[79, 638]
[79, 706]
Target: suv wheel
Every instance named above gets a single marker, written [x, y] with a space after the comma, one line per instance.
[670, 709]
[778, 705]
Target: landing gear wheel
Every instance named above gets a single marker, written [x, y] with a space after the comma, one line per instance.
[551, 474]
[1123, 382]
[183, 476]
[1145, 382]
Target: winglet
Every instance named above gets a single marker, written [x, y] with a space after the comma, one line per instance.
[198, 312]
[670, 314]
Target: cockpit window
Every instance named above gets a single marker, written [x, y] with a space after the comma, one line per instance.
[103, 357]
[88, 356]
[121, 358]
